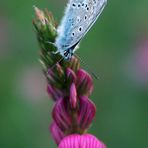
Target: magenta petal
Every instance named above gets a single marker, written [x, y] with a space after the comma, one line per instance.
[71, 75]
[50, 75]
[73, 96]
[57, 134]
[81, 141]
[91, 141]
[87, 111]
[50, 72]
[84, 83]
[56, 94]
[61, 115]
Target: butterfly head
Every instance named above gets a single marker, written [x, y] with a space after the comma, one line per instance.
[67, 54]
[66, 51]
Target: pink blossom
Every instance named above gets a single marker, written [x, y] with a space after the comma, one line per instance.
[81, 141]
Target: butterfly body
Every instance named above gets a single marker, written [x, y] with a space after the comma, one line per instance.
[79, 16]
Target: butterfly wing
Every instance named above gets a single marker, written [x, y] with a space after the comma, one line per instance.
[80, 15]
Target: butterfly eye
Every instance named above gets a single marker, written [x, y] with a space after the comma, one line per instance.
[65, 53]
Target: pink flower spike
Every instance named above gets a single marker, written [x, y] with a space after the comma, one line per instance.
[73, 96]
[57, 134]
[86, 114]
[71, 75]
[60, 114]
[55, 93]
[84, 83]
[81, 141]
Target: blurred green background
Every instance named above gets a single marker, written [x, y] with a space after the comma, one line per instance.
[116, 48]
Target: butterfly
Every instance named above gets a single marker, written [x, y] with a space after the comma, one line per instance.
[79, 17]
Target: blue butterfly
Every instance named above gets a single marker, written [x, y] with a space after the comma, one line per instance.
[79, 17]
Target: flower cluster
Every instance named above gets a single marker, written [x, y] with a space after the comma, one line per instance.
[69, 86]
[73, 111]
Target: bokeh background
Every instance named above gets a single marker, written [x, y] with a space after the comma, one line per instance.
[116, 48]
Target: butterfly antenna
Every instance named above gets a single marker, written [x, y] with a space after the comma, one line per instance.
[89, 69]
